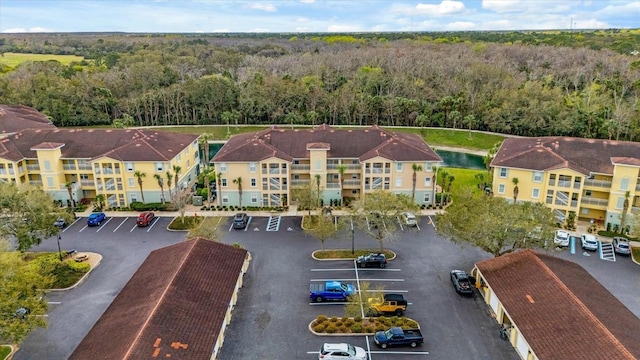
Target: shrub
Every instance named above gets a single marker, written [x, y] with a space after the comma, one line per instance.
[369, 329]
[331, 328]
[333, 319]
[349, 322]
[321, 318]
[319, 328]
[356, 328]
[358, 319]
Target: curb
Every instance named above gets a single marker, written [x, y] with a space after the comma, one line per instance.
[85, 275]
[13, 351]
[313, 255]
[345, 334]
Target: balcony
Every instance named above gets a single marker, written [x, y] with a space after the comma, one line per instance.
[69, 166]
[88, 183]
[598, 183]
[300, 182]
[33, 167]
[36, 183]
[333, 185]
[588, 200]
[74, 186]
[638, 187]
[300, 168]
[352, 183]
[84, 167]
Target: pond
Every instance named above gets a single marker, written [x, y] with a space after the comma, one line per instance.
[461, 160]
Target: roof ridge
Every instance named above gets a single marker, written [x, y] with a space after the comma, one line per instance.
[580, 303]
[159, 301]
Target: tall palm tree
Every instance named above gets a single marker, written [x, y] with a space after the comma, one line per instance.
[341, 170]
[238, 182]
[434, 179]
[169, 181]
[415, 167]
[318, 188]
[516, 190]
[139, 175]
[203, 140]
[445, 175]
[208, 172]
[69, 186]
[176, 176]
[160, 183]
[219, 187]
[625, 208]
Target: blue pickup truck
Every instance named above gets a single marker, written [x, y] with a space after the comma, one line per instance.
[397, 336]
[330, 290]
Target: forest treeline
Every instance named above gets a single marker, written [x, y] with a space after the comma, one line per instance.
[531, 85]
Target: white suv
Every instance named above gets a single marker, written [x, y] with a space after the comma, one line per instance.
[589, 242]
[561, 238]
[341, 351]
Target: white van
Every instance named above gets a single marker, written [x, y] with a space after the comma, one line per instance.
[561, 238]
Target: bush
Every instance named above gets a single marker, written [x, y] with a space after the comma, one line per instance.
[319, 328]
[321, 318]
[356, 328]
[333, 319]
[331, 328]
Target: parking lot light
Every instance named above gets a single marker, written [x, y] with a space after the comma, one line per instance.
[59, 252]
[352, 239]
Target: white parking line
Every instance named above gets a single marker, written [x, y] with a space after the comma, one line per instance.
[316, 280]
[104, 223]
[431, 222]
[153, 223]
[123, 221]
[360, 269]
[385, 352]
[134, 227]
[53, 302]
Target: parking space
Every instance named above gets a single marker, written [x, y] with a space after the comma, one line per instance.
[116, 225]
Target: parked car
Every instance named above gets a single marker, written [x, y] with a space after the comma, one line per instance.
[81, 257]
[22, 313]
[409, 219]
[561, 238]
[340, 351]
[145, 218]
[330, 290]
[388, 304]
[61, 223]
[95, 219]
[240, 221]
[621, 246]
[589, 242]
[398, 336]
[461, 282]
[373, 259]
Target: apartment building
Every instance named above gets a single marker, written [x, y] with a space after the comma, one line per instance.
[91, 162]
[593, 178]
[342, 163]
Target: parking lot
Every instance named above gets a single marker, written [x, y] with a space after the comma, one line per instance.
[273, 312]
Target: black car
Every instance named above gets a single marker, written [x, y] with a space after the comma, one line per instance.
[240, 221]
[461, 282]
[373, 259]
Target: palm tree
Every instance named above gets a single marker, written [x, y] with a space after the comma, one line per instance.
[203, 140]
[208, 172]
[444, 174]
[169, 180]
[341, 170]
[625, 208]
[318, 188]
[238, 182]
[435, 180]
[176, 170]
[139, 175]
[415, 167]
[160, 183]
[515, 182]
[219, 187]
[69, 186]
[450, 179]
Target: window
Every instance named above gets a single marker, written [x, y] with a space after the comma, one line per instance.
[537, 176]
[252, 167]
[254, 198]
[188, 163]
[398, 182]
[549, 196]
[504, 172]
[535, 193]
[399, 167]
[427, 181]
[428, 166]
[159, 167]
[225, 199]
[134, 197]
[129, 166]
[223, 167]
[620, 203]
[318, 164]
[427, 197]
[501, 189]
[253, 182]
[132, 182]
[47, 165]
[49, 181]
[224, 182]
[179, 158]
[624, 184]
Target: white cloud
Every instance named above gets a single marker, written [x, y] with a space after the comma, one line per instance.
[262, 6]
[502, 6]
[343, 28]
[302, 19]
[446, 7]
[621, 10]
[260, 30]
[307, 1]
[461, 26]
[220, 30]
[29, 30]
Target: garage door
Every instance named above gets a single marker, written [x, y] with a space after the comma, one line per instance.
[493, 302]
[521, 346]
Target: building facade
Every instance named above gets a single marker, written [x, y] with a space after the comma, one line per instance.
[75, 164]
[595, 179]
[341, 163]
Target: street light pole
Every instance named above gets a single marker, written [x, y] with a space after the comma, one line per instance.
[352, 239]
[59, 252]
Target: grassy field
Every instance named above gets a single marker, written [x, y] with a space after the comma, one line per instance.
[15, 59]
[434, 137]
[464, 179]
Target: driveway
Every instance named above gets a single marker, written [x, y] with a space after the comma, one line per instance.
[72, 313]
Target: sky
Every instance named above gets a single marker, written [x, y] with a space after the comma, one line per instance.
[325, 16]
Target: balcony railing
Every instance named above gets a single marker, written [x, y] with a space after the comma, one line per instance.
[638, 187]
[352, 182]
[33, 167]
[74, 186]
[298, 182]
[588, 200]
[69, 166]
[87, 183]
[333, 185]
[298, 167]
[35, 182]
[84, 167]
[598, 183]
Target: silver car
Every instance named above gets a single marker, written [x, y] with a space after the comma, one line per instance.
[409, 219]
[589, 242]
[621, 246]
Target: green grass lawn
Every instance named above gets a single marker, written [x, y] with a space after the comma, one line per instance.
[4, 351]
[464, 179]
[15, 59]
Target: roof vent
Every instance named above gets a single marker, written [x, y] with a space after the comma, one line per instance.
[530, 298]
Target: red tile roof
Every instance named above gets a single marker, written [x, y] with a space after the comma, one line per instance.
[561, 310]
[582, 155]
[14, 118]
[173, 306]
[289, 144]
[119, 144]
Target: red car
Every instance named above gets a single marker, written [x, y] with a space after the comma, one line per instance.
[145, 218]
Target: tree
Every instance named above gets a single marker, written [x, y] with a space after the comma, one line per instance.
[306, 197]
[378, 214]
[318, 188]
[21, 288]
[208, 176]
[176, 177]
[203, 140]
[415, 167]
[160, 181]
[625, 209]
[358, 302]
[238, 182]
[444, 175]
[515, 182]
[69, 186]
[494, 224]
[434, 180]
[321, 227]
[139, 175]
[29, 214]
[219, 187]
[169, 176]
[488, 158]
